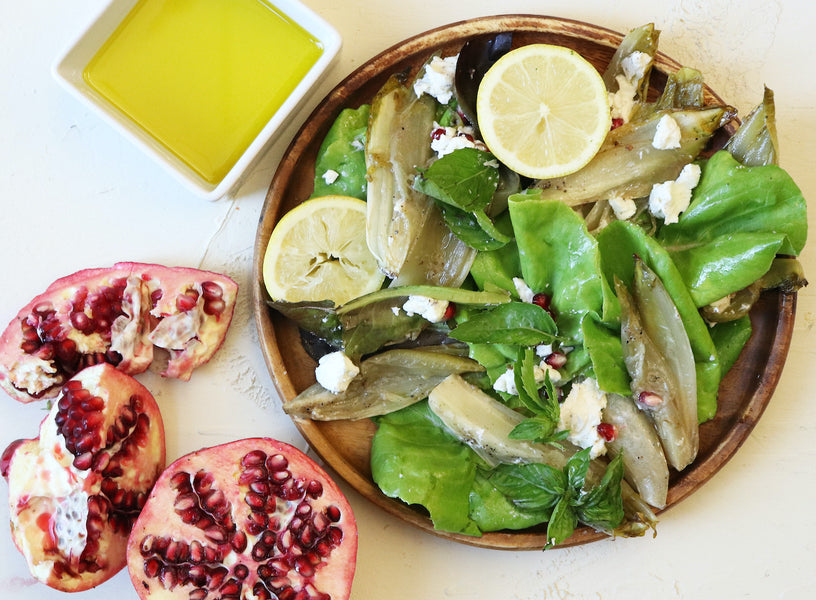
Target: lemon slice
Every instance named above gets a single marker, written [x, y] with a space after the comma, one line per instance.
[543, 110]
[318, 251]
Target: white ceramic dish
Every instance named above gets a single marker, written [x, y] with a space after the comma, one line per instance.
[68, 71]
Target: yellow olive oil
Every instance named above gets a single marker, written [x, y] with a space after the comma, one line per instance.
[203, 77]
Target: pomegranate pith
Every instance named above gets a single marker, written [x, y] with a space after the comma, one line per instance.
[255, 518]
[115, 315]
[76, 490]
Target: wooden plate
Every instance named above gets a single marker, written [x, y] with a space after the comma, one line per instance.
[345, 445]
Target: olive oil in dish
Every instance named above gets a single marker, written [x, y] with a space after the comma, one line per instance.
[203, 77]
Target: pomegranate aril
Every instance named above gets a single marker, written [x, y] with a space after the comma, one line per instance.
[180, 480]
[241, 571]
[260, 592]
[198, 594]
[230, 588]
[314, 489]
[198, 575]
[649, 399]
[83, 461]
[556, 360]
[278, 462]
[152, 567]
[217, 576]
[542, 300]
[304, 567]
[186, 301]
[168, 577]
[239, 541]
[253, 459]
[607, 431]
[252, 474]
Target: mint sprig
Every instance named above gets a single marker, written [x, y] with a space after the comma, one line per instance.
[541, 486]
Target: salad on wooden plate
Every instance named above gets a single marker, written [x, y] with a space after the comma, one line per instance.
[525, 282]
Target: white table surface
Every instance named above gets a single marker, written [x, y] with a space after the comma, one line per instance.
[75, 194]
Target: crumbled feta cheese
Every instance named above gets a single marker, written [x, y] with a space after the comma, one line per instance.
[668, 199]
[330, 176]
[581, 414]
[624, 208]
[622, 102]
[335, 371]
[395, 310]
[668, 134]
[523, 290]
[358, 144]
[544, 350]
[437, 79]
[506, 382]
[445, 140]
[634, 68]
[429, 309]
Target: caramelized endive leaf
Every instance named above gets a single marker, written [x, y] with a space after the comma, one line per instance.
[404, 228]
[628, 165]
[644, 461]
[660, 362]
[387, 382]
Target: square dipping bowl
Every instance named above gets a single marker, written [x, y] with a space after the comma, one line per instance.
[202, 86]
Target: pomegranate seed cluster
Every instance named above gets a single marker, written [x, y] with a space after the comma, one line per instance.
[277, 547]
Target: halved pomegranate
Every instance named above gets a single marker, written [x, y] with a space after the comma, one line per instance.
[255, 518]
[76, 490]
[115, 315]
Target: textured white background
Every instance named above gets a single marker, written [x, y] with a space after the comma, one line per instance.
[74, 194]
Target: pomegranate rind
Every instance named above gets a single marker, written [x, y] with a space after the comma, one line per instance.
[71, 532]
[147, 314]
[163, 538]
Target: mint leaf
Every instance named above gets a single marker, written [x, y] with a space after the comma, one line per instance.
[466, 178]
[576, 469]
[602, 506]
[531, 486]
[562, 523]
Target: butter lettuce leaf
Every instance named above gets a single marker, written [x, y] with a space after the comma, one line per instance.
[619, 242]
[739, 219]
[414, 458]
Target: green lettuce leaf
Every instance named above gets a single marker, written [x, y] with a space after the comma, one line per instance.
[413, 458]
[738, 220]
[618, 243]
[559, 257]
[343, 151]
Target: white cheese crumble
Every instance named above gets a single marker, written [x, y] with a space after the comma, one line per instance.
[429, 309]
[445, 140]
[506, 382]
[523, 290]
[670, 198]
[635, 65]
[335, 371]
[437, 79]
[543, 350]
[581, 414]
[668, 134]
[330, 176]
[624, 208]
[634, 68]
